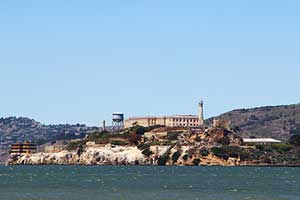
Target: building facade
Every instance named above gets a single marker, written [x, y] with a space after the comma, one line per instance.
[25, 147]
[169, 121]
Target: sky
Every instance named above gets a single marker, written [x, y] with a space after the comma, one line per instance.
[80, 61]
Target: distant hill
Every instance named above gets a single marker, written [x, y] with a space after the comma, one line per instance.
[278, 122]
[13, 129]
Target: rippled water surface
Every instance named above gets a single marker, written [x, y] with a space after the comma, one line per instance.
[115, 182]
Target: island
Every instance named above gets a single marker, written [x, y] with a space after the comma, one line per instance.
[215, 145]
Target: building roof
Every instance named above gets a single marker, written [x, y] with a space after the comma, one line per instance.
[260, 140]
[161, 117]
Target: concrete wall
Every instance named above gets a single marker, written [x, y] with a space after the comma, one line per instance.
[171, 121]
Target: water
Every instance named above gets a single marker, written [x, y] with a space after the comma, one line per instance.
[148, 183]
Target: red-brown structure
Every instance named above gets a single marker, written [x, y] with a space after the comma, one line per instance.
[26, 147]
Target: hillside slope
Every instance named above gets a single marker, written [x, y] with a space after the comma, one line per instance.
[13, 129]
[271, 121]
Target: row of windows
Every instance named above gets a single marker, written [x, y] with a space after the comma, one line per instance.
[185, 120]
[180, 124]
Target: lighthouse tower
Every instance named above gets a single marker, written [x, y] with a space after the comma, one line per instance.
[200, 113]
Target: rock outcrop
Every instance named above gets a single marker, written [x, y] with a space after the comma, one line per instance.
[120, 155]
[203, 146]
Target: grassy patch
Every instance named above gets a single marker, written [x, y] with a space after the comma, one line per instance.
[72, 146]
[162, 143]
[119, 142]
[144, 146]
[99, 137]
[282, 148]
[173, 135]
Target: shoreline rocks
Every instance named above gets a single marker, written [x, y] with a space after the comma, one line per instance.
[121, 155]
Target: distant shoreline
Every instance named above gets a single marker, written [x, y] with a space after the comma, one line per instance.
[238, 166]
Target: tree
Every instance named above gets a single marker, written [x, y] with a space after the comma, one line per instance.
[295, 140]
[134, 138]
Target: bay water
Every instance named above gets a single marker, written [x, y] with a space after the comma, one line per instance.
[148, 183]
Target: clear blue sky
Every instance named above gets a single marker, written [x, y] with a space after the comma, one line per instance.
[79, 61]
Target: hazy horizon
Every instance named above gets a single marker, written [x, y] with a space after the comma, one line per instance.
[80, 62]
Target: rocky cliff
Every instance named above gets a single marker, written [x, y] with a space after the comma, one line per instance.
[118, 155]
[165, 146]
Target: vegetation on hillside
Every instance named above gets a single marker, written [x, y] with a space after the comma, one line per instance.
[13, 129]
[279, 122]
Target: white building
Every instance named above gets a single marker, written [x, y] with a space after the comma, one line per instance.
[169, 121]
[260, 141]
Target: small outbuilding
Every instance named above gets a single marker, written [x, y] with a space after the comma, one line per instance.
[26, 147]
[260, 141]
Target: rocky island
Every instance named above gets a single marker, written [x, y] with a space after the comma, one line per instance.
[204, 146]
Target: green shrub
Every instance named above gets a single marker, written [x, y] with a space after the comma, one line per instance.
[295, 140]
[162, 143]
[80, 150]
[218, 151]
[233, 154]
[150, 128]
[119, 142]
[139, 130]
[72, 146]
[147, 152]
[196, 161]
[230, 151]
[267, 148]
[162, 160]
[198, 139]
[134, 138]
[172, 135]
[295, 131]
[244, 155]
[99, 137]
[123, 135]
[166, 143]
[224, 141]
[225, 157]
[260, 147]
[282, 148]
[204, 152]
[176, 156]
[185, 157]
[236, 129]
[143, 146]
